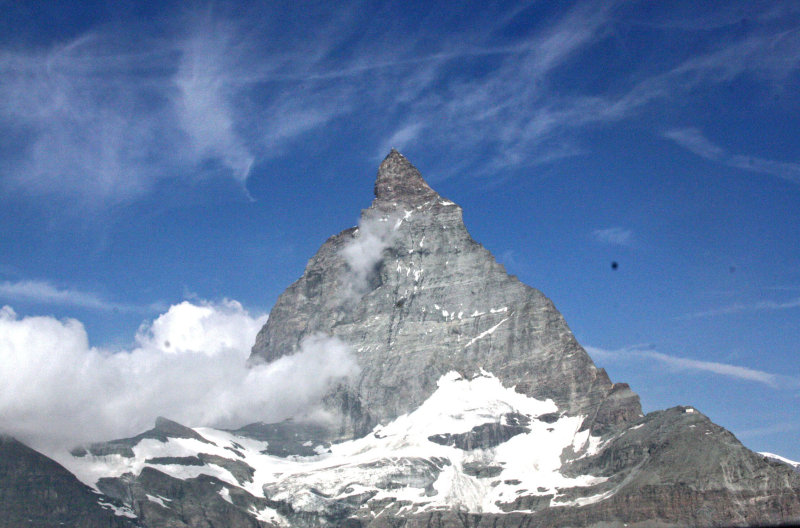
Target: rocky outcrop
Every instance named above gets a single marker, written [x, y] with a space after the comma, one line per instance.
[160, 500]
[37, 491]
[163, 430]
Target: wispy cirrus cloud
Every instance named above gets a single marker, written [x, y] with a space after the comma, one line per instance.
[82, 127]
[205, 100]
[401, 138]
[761, 306]
[614, 236]
[104, 117]
[694, 141]
[515, 115]
[42, 292]
[768, 430]
[678, 363]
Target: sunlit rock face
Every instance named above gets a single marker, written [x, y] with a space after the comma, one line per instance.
[416, 297]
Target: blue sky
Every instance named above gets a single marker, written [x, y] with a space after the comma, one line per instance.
[155, 155]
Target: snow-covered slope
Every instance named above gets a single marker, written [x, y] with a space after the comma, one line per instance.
[473, 446]
[773, 456]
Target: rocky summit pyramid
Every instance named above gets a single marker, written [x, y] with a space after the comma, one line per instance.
[435, 302]
[430, 302]
[474, 406]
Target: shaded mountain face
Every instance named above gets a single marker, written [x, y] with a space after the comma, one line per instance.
[36, 491]
[416, 297]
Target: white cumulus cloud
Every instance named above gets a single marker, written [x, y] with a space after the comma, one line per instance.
[189, 364]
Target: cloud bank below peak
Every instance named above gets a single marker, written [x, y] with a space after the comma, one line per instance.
[189, 364]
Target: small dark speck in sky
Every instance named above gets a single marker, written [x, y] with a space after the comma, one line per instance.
[614, 265]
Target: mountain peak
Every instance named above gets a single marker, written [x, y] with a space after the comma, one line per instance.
[399, 180]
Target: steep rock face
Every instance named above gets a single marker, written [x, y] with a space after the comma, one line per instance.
[432, 300]
[37, 491]
[163, 501]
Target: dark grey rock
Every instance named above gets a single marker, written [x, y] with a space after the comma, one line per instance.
[240, 470]
[181, 461]
[549, 417]
[482, 436]
[476, 469]
[164, 430]
[290, 438]
[190, 503]
[37, 491]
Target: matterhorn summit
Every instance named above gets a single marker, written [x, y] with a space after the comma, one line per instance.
[473, 405]
[431, 301]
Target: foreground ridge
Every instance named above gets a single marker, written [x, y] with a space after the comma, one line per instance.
[474, 406]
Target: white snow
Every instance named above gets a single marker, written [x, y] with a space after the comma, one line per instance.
[123, 511]
[486, 333]
[399, 221]
[584, 501]
[392, 451]
[457, 406]
[158, 499]
[226, 495]
[781, 459]
[269, 515]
